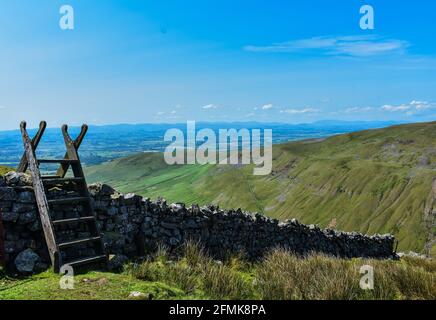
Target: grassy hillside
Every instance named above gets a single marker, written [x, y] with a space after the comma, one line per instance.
[375, 181]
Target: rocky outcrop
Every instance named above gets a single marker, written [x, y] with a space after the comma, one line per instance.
[133, 226]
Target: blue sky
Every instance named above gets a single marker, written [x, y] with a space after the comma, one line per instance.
[170, 61]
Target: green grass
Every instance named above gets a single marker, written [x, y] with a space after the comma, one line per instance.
[198, 275]
[320, 277]
[376, 181]
[89, 286]
[280, 276]
[4, 170]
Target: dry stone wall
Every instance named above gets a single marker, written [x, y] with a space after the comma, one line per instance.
[133, 226]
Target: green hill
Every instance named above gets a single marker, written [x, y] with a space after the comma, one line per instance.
[4, 170]
[376, 181]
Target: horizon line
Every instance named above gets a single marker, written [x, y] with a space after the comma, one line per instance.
[231, 122]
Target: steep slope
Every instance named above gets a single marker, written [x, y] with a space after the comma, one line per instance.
[374, 181]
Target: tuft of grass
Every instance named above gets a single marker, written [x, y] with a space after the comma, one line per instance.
[283, 276]
[426, 265]
[407, 278]
[317, 277]
[196, 273]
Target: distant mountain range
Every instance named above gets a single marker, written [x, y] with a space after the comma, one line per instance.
[372, 181]
[108, 142]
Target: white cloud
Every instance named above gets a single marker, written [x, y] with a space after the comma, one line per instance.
[267, 106]
[167, 115]
[355, 46]
[299, 111]
[358, 109]
[2, 107]
[210, 106]
[388, 107]
[410, 108]
[422, 105]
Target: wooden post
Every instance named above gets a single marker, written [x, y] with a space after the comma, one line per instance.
[22, 167]
[62, 171]
[41, 199]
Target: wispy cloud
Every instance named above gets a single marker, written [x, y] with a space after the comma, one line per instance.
[403, 107]
[411, 108]
[299, 111]
[358, 109]
[163, 113]
[422, 105]
[355, 46]
[2, 107]
[210, 106]
[267, 106]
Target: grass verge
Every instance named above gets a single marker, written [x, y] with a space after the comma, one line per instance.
[195, 275]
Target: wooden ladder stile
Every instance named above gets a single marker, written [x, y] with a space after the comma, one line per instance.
[41, 186]
[76, 166]
[40, 196]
